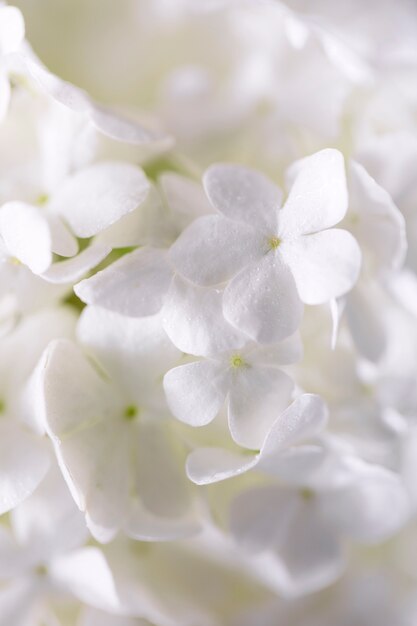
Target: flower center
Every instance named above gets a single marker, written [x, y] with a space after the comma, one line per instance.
[130, 412]
[2, 406]
[42, 199]
[274, 242]
[237, 361]
[306, 493]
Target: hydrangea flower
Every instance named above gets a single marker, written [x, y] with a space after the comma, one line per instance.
[106, 415]
[273, 258]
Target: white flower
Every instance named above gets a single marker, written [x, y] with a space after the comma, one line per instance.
[306, 527]
[274, 258]
[236, 370]
[284, 451]
[28, 240]
[31, 547]
[111, 430]
[25, 457]
[137, 284]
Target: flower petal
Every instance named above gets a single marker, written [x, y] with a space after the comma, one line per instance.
[35, 520]
[259, 516]
[12, 29]
[160, 461]
[63, 241]
[263, 302]
[213, 249]
[193, 320]
[378, 225]
[123, 129]
[135, 285]
[144, 526]
[92, 444]
[257, 396]
[211, 465]
[5, 93]
[318, 198]
[135, 352]
[367, 326]
[311, 552]
[372, 507]
[303, 419]
[99, 195]
[74, 268]
[87, 575]
[243, 194]
[286, 352]
[24, 461]
[196, 392]
[324, 265]
[26, 234]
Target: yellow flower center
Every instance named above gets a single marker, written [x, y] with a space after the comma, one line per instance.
[274, 242]
[237, 361]
[306, 493]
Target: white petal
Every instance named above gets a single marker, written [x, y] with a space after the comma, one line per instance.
[196, 392]
[35, 520]
[12, 29]
[5, 93]
[87, 575]
[256, 398]
[63, 242]
[318, 198]
[286, 352]
[160, 461]
[367, 326]
[262, 301]
[24, 461]
[243, 194]
[74, 391]
[213, 248]
[96, 197]
[379, 225]
[303, 419]
[193, 320]
[26, 234]
[311, 551]
[17, 601]
[85, 420]
[295, 466]
[135, 285]
[61, 91]
[144, 526]
[93, 617]
[134, 352]
[324, 265]
[121, 128]
[185, 198]
[210, 465]
[372, 508]
[73, 269]
[259, 516]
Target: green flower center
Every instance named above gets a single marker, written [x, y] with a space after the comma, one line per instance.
[130, 412]
[306, 493]
[42, 199]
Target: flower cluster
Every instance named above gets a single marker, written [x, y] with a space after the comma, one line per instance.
[208, 318]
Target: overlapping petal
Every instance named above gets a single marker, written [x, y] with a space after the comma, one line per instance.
[325, 265]
[97, 196]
